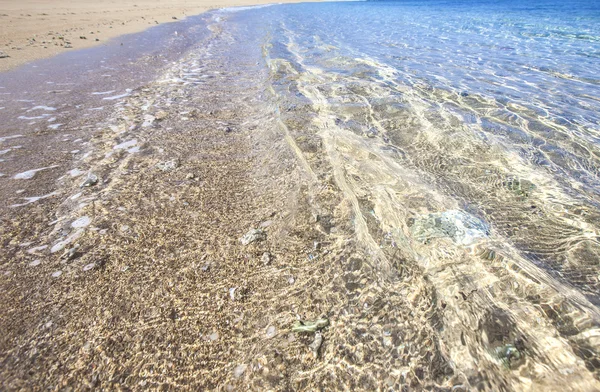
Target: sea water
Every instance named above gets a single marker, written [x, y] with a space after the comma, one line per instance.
[493, 104]
[466, 137]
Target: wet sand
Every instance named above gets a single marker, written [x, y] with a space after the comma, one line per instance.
[31, 29]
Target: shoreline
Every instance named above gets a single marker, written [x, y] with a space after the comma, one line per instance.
[31, 30]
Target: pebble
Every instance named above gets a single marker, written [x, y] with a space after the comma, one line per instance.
[316, 344]
[91, 180]
[266, 258]
[239, 370]
[213, 336]
[70, 253]
[3, 55]
[167, 166]
[271, 332]
[89, 266]
[252, 236]
[56, 274]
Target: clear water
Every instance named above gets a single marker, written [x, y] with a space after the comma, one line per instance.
[465, 138]
[451, 150]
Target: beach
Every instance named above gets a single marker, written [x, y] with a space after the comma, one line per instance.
[31, 30]
[318, 196]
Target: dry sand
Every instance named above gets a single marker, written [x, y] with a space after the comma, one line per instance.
[34, 29]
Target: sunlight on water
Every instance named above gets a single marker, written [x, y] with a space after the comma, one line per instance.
[465, 139]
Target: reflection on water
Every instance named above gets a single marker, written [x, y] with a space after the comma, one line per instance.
[465, 139]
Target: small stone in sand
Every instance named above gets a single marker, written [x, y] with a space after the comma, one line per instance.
[168, 165]
[213, 336]
[56, 274]
[252, 236]
[316, 344]
[89, 266]
[161, 115]
[3, 55]
[271, 331]
[266, 258]
[91, 180]
[70, 253]
[239, 370]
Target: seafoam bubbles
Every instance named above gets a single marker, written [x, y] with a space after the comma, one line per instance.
[125, 145]
[35, 263]
[75, 172]
[82, 222]
[29, 174]
[5, 138]
[60, 245]
[115, 97]
[33, 199]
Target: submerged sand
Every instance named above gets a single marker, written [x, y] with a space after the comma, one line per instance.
[194, 222]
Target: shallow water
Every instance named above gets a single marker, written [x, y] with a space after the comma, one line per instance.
[465, 136]
[449, 153]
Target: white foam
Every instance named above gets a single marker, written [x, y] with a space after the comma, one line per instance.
[75, 172]
[104, 92]
[32, 118]
[243, 8]
[36, 249]
[9, 137]
[124, 145]
[41, 107]
[82, 222]
[33, 199]
[31, 173]
[60, 245]
[117, 97]
[55, 126]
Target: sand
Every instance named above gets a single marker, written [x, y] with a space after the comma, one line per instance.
[35, 29]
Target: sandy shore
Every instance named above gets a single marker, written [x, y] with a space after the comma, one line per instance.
[35, 29]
